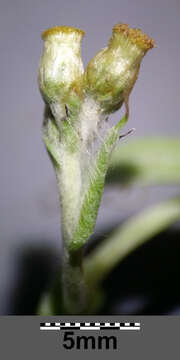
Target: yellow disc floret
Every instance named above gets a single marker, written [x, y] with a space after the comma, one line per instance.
[61, 29]
[136, 36]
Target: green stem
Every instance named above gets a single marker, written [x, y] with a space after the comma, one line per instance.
[69, 185]
[73, 285]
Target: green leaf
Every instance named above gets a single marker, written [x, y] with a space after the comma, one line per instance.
[51, 137]
[133, 233]
[93, 194]
[146, 161]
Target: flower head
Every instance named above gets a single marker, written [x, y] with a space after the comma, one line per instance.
[61, 67]
[112, 73]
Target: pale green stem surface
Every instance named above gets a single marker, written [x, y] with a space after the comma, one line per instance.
[69, 185]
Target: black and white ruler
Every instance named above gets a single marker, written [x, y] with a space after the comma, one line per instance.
[90, 326]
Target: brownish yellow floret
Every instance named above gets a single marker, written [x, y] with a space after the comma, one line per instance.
[135, 35]
[61, 29]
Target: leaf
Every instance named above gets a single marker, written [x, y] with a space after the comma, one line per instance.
[133, 233]
[146, 161]
[93, 194]
[51, 137]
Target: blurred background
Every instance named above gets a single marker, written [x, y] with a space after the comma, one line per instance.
[30, 241]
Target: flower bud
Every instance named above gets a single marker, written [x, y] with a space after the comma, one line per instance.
[112, 73]
[61, 67]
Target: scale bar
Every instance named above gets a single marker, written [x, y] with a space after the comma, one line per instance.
[90, 326]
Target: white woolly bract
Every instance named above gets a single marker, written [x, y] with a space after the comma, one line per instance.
[89, 118]
[60, 64]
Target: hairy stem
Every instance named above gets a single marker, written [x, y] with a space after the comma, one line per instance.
[69, 185]
[73, 285]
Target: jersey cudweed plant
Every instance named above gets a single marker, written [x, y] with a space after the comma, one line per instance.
[77, 136]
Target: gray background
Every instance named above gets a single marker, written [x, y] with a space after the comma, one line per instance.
[157, 339]
[28, 199]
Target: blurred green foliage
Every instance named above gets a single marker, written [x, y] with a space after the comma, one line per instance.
[145, 161]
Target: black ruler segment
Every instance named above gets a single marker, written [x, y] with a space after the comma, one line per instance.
[90, 326]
